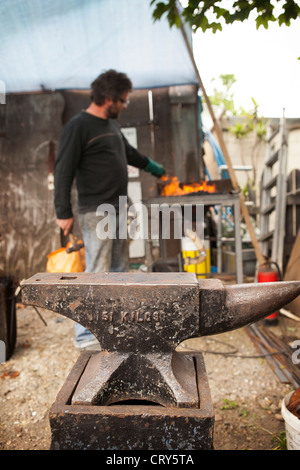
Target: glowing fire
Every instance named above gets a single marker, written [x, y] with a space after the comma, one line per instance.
[174, 188]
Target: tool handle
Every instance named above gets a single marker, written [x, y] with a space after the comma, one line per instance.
[73, 247]
[72, 239]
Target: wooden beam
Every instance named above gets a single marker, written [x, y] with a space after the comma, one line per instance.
[259, 256]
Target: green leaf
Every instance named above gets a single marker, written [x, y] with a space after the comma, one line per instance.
[215, 27]
[220, 12]
[160, 10]
[262, 21]
[177, 21]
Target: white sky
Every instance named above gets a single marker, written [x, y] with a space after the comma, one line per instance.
[264, 62]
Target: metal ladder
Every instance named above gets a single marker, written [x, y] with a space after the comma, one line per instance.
[273, 194]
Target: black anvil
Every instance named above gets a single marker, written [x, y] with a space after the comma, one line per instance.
[140, 319]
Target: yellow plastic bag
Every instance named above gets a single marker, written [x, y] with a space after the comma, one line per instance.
[59, 261]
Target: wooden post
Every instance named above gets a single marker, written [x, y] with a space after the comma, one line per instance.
[219, 133]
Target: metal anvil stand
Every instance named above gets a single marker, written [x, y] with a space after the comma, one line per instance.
[139, 393]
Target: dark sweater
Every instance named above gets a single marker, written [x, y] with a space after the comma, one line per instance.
[95, 152]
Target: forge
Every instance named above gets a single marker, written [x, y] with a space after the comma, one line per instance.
[138, 392]
[217, 194]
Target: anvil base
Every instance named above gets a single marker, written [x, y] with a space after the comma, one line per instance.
[134, 426]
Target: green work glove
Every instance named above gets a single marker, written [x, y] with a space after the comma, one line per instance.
[156, 169]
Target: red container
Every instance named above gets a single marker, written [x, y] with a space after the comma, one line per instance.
[267, 274]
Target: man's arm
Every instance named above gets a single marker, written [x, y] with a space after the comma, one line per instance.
[135, 158]
[68, 157]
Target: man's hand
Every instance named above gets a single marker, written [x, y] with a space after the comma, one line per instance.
[66, 225]
[156, 169]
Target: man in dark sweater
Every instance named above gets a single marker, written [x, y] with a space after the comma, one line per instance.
[94, 151]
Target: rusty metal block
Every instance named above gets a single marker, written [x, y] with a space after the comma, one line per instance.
[125, 311]
[134, 426]
[154, 312]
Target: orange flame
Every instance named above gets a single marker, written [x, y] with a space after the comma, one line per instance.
[175, 189]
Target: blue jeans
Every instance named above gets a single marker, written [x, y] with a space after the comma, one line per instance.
[101, 255]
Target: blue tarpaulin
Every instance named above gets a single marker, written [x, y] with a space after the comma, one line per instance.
[65, 44]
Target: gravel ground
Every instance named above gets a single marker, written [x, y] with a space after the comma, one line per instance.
[246, 394]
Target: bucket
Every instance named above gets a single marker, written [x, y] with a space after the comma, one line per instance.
[292, 425]
[190, 250]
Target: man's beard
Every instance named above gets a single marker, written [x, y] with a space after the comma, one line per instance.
[113, 112]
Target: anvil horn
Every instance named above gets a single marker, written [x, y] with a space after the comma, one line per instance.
[231, 307]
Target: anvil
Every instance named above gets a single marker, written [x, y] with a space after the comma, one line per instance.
[141, 318]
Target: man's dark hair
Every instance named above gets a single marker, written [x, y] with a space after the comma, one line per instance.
[110, 84]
